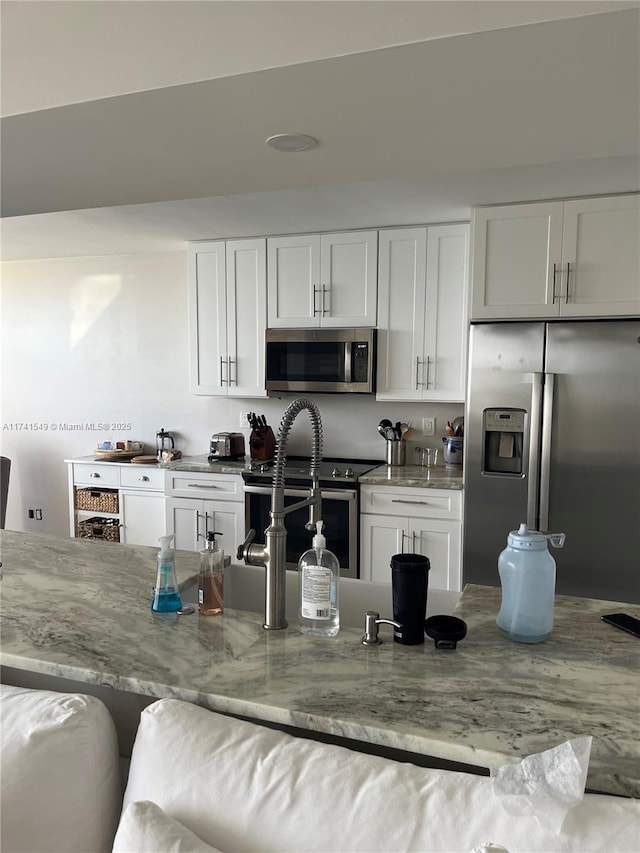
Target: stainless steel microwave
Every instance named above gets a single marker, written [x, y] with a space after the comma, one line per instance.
[333, 361]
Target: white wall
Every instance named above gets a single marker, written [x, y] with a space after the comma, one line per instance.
[94, 339]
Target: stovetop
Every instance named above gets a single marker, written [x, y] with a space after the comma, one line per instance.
[298, 468]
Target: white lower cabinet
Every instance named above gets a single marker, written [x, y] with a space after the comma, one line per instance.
[200, 502]
[142, 517]
[409, 520]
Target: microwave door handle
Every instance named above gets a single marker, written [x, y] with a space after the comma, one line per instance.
[348, 354]
[534, 451]
[545, 454]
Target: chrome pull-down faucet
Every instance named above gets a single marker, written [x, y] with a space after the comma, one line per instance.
[272, 555]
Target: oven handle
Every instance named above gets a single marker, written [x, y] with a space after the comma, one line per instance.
[325, 494]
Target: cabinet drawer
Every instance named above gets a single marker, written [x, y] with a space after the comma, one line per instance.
[182, 484]
[417, 503]
[141, 477]
[91, 475]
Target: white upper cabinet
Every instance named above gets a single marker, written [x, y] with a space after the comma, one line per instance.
[576, 258]
[227, 317]
[422, 313]
[322, 280]
[601, 257]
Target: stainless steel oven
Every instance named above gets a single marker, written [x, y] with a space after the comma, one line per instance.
[340, 508]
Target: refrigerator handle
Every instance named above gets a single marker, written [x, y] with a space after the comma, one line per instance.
[534, 451]
[545, 454]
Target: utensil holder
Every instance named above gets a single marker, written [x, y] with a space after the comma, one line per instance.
[396, 452]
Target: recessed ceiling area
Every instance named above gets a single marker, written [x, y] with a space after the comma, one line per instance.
[418, 132]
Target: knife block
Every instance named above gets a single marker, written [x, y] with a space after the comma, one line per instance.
[262, 444]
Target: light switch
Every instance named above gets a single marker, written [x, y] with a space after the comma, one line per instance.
[429, 426]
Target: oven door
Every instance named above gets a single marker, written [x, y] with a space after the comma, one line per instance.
[339, 513]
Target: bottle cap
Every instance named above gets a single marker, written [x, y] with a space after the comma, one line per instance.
[533, 540]
[211, 543]
[319, 541]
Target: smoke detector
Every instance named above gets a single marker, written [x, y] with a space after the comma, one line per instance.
[290, 142]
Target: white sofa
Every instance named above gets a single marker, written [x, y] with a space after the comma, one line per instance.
[199, 781]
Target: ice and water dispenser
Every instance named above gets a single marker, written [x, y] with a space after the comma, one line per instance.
[503, 441]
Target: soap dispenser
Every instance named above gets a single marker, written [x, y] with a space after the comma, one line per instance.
[166, 595]
[318, 576]
[528, 577]
[211, 577]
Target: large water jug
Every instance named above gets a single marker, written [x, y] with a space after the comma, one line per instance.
[528, 577]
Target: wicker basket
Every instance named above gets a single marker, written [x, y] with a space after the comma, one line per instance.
[97, 500]
[107, 529]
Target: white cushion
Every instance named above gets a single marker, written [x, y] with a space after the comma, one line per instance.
[60, 781]
[245, 788]
[145, 828]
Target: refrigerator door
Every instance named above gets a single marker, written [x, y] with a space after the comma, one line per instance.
[593, 457]
[501, 466]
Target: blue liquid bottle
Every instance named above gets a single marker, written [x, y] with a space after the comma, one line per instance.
[166, 596]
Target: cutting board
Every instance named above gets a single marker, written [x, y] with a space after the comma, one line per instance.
[145, 460]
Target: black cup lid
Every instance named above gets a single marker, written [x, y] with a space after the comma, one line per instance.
[445, 631]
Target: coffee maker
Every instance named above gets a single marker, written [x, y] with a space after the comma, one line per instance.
[164, 441]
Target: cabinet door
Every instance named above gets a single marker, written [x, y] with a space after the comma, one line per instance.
[208, 368]
[440, 542]
[185, 520]
[143, 518]
[381, 537]
[601, 249]
[293, 290]
[515, 250]
[349, 276]
[445, 343]
[227, 519]
[246, 316]
[401, 313]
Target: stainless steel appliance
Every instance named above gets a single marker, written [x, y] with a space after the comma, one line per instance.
[321, 360]
[552, 438]
[226, 445]
[340, 506]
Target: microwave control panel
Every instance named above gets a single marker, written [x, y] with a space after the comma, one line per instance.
[360, 372]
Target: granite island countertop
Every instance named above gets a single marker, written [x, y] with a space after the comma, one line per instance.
[78, 609]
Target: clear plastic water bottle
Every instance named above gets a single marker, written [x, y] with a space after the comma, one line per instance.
[528, 577]
[318, 575]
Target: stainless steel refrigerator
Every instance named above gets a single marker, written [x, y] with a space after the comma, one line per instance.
[552, 438]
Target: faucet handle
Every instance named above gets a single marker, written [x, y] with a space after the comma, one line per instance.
[371, 621]
[244, 548]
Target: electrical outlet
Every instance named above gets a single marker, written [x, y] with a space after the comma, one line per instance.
[429, 426]
[244, 423]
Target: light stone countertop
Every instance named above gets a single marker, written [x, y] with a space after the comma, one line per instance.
[195, 464]
[80, 610]
[415, 476]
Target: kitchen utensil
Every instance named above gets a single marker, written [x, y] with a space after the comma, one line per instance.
[385, 422]
[164, 441]
[112, 455]
[396, 452]
[145, 460]
[404, 429]
[381, 430]
[449, 430]
[458, 426]
[452, 451]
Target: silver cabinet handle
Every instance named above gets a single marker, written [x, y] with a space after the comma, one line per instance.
[429, 362]
[555, 273]
[324, 309]
[404, 501]
[223, 381]
[404, 535]
[144, 478]
[413, 540]
[231, 361]
[200, 486]
[198, 534]
[316, 291]
[95, 474]
[566, 295]
[420, 361]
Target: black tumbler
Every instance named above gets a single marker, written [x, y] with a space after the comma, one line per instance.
[409, 580]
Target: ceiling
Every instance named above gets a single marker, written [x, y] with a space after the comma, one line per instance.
[421, 109]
